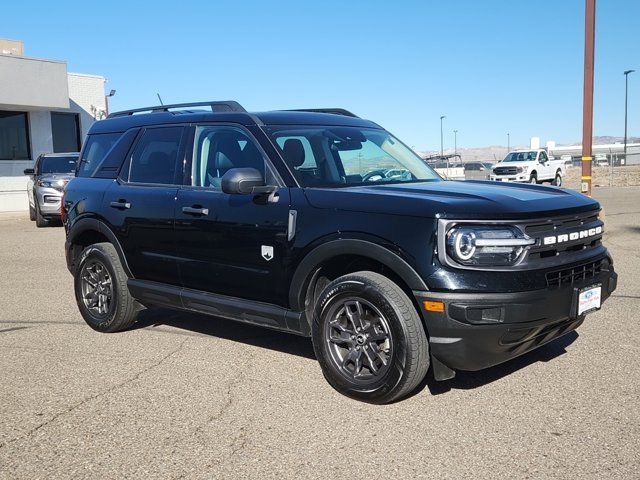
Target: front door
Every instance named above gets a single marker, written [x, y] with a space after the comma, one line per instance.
[140, 205]
[234, 245]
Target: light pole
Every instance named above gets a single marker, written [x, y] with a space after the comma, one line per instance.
[106, 101]
[626, 97]
[508, 142]
[442, 117]
[455, 142]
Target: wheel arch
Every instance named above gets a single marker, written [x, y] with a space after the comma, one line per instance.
[87, 231]
[346, 256]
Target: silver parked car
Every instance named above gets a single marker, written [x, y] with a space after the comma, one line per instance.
[49, 175]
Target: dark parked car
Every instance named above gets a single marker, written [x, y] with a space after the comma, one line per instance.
[284, 219]
[48, 177]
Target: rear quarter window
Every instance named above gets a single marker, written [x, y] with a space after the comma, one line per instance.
[95, 149]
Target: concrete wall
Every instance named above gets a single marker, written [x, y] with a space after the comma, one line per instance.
[29, 83]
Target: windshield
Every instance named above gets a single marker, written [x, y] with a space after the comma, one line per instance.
[334, 156]
[520, 157]
[57, 165]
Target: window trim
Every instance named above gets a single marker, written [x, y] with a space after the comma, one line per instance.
[189, 151]
[126, 165]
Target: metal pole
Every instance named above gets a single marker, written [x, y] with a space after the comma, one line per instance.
[626, 98]
[455, 142]
[441, 137]
[587, 100]
[508, 142]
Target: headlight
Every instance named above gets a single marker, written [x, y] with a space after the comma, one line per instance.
[486, 245]
[522, 169]
[44, 183]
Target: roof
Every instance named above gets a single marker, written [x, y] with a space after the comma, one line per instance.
[124, 121]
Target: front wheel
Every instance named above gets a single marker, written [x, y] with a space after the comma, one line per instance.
[533, 179]
[557, 181]
[101, 290]
[40, 220]
[32, 213]
[369, 339]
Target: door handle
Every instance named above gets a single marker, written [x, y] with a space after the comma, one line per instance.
[195, 211]
[120, 204]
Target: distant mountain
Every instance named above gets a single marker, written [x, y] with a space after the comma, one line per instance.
[494, 153]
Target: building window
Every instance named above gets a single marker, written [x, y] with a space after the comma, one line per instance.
[14, 136]
[65, 130]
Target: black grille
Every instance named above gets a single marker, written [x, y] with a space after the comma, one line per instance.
[569, 276]
[505, 170]
[557, 225]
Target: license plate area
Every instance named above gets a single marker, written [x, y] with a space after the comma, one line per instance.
[586, 300]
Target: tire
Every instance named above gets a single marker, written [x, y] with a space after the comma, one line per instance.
[32, 213]
[351, 361]
[115, 309]
[533, 179]
[40, 220]
[557, 181]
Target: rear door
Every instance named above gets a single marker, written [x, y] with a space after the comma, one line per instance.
[140, 204]
[234, 245]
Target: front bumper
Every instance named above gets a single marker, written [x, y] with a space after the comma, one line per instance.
[479, 330]
[48, 201]
[520, 177]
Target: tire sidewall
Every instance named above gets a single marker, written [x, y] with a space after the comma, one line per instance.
[558, 180]
[100, 324]
[394, 375]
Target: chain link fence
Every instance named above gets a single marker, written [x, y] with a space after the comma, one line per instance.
[608, 172]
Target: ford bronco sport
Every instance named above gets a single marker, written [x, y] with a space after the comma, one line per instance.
[291, 220]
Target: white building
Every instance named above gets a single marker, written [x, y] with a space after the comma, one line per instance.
[43, 108]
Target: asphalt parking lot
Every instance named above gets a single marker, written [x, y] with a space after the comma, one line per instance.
[187, 396]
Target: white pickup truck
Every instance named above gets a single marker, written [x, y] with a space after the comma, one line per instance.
[531, 166]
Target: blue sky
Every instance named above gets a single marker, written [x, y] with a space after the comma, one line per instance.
[491, 66]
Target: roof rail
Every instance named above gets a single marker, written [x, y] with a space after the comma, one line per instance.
[334, 111]
[216, 106]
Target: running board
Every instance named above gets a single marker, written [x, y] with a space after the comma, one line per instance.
[232, 308]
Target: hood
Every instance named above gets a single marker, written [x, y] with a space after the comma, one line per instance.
[454, 199]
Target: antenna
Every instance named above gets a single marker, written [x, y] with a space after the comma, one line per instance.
[161, 102]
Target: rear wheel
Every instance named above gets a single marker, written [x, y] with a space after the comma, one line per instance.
[533, 178]
[557, 181]
[369, 339]
[101, 290]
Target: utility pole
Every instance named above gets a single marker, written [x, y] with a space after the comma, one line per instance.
[455, 142]
[626, 99]
[587, 100]
[442, 117]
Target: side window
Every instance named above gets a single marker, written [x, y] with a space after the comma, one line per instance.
[154, 158]
[94, 151]
[218, 149]
[543, 157]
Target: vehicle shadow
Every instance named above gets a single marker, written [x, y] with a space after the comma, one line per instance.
[470, 380]
[227, 329]
[187, 323]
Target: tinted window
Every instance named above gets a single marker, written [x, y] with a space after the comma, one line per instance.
[543, 157]
[218, 149]
[14, 136]
[154, 157]
[94, 152]
[57, 164]
[65, 131]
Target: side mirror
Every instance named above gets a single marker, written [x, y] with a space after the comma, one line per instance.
[29, 171]
[245, 181]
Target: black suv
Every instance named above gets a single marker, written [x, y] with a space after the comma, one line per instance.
[323, 224]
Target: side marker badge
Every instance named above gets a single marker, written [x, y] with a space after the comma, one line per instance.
[267, 252]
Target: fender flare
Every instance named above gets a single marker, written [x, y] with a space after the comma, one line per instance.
[363, 248]
[92, 224]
